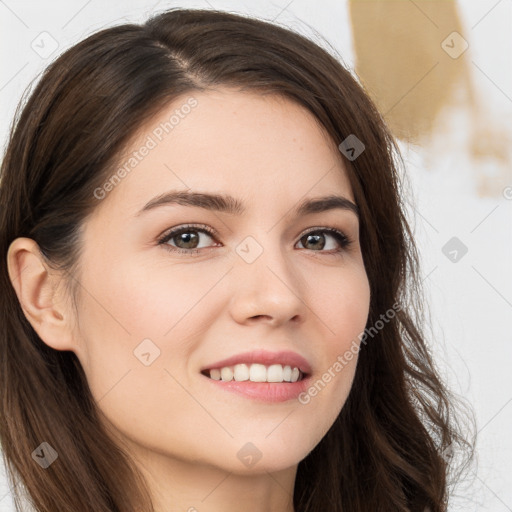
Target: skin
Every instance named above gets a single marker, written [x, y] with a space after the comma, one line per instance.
[184, 432]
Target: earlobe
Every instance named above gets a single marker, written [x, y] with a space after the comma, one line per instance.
[38, 293]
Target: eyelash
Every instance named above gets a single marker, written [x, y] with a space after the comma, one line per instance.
[343, 240]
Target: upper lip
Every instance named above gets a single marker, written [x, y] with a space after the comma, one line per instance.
[284, 357]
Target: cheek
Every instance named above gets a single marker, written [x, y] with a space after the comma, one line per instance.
[343, 307]
[141, 312]
[129, 363]
[159, 297]
[138, 299]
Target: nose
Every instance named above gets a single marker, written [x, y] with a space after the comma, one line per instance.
[268, 289]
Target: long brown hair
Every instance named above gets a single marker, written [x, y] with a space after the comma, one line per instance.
[387, 449]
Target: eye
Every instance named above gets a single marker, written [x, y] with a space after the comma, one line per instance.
[316, 240]
[186, 238]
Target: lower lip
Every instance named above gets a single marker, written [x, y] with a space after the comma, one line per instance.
[264, 391]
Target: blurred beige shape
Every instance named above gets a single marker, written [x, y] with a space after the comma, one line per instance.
[413, 58]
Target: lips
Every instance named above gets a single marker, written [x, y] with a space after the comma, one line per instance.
[279, 377]
[263, 357]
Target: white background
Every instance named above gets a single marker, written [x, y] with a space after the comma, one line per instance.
[471, 300]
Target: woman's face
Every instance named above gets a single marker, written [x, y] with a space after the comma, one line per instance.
[258, 295]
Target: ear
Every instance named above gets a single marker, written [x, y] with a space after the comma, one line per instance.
[41, 298]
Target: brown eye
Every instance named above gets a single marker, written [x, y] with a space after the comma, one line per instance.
[313, 241]
[187, 238]
[318, 240]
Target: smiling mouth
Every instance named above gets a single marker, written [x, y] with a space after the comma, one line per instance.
[274, 373]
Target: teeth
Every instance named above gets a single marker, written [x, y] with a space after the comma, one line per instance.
[226, 373]
[275, 373]
[241, 372]
[215, 374]
[256, 373]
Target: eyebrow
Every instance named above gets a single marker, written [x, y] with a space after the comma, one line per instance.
[231, 205]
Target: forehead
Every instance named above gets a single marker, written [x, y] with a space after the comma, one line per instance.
[261, 148]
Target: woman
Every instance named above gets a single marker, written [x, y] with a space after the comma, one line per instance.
[211, 292]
